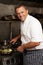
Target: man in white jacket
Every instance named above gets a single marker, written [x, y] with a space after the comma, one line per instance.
[31, 37]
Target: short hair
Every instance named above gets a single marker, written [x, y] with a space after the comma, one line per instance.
[19, 5]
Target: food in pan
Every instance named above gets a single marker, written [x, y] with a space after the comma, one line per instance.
[6, 51]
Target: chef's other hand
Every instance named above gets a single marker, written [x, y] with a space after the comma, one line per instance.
[20, 49]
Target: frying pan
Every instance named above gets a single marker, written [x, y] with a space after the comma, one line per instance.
[7, 47]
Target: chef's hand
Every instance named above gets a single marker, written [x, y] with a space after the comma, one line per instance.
[20, 49]
[13, 40]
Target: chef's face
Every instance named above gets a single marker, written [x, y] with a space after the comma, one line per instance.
[22, 13]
